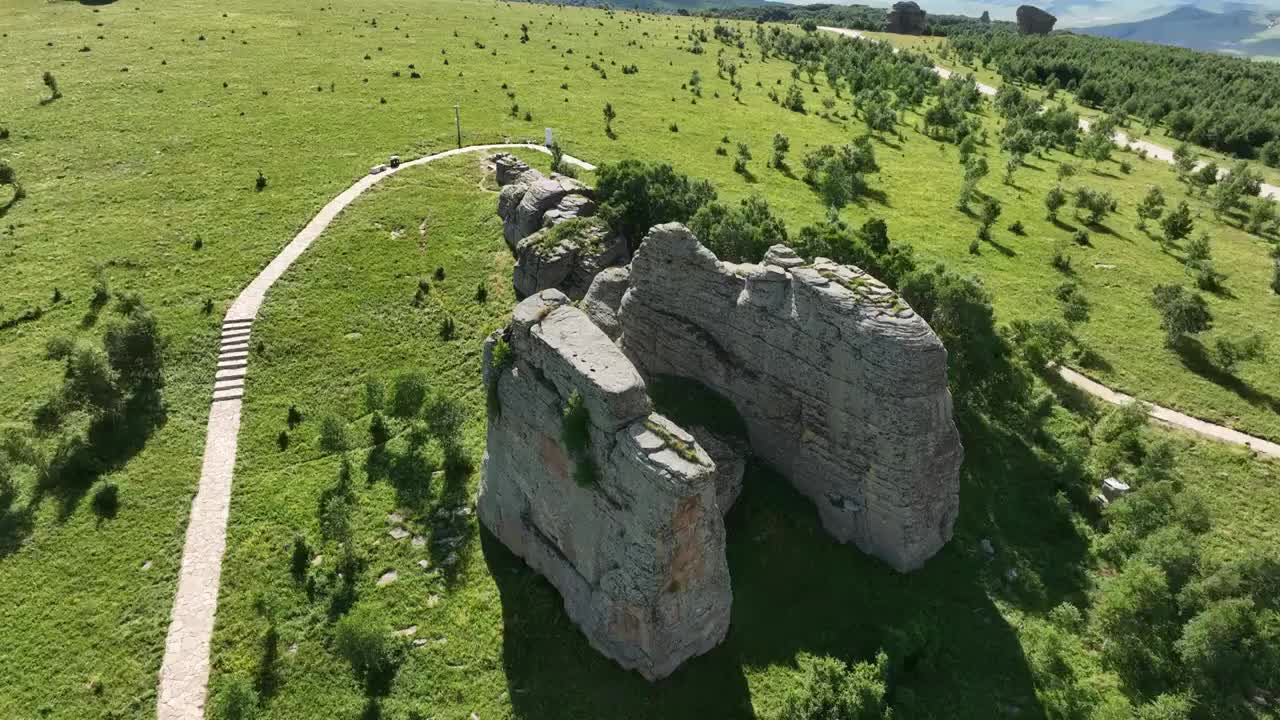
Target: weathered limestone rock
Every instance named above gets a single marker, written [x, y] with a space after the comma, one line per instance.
[638, 554]
[527, 196]
[604, 298]
[1034, 21]
[842, 386]
[730, 456]
[567, 257]
[906, 18]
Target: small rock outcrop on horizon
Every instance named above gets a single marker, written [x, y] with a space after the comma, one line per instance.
[906, 18]
[1034, 21]
[842, 387]
[548, 223]
[634, 542]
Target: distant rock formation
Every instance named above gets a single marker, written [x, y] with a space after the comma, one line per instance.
[906, 18]
[1034, 21]
[986, 17]
[638, 552]
[547, 224]
[842, 386]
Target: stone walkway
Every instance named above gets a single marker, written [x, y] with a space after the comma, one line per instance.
[1159, 152]
[184, 672]
[1172, 417]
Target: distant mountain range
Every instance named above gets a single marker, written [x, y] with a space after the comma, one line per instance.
[1234, 28]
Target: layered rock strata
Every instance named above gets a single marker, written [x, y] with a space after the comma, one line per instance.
[545, 223]
[1034, 21]
[842, 386]
[906, 18]
[634, 544]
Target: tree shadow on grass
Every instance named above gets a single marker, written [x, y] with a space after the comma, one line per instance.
[1195, 357]
[797, 590]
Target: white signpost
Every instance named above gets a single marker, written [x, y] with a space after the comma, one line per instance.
[549, 140]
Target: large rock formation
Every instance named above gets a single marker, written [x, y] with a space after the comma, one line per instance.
[906, 18]
[842, 386]
[545, 223]
[635, 542]
[1034, 21]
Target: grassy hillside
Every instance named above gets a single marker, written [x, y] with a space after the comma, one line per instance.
[142, 176]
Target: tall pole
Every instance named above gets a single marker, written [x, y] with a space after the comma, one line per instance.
[457, 124]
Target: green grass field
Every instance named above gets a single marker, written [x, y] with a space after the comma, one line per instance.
[143, 174]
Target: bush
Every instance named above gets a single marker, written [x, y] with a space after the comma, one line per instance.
[741, 234]
[1230, 353]
[1181, 313]
[333, 435]
[1017, 229]
[52, 83]
[260, 183]
[1135, 618]
[830, 690]
[294, 417]
[1060, 260]
[1081, 238]
[235, 700]
[634, 196]
[575, 428]
[361, 640]
[300, 559]
[1219, 649]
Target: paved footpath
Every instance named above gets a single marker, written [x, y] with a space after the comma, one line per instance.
[1172, 417]
[184, 672]
[1158, 152]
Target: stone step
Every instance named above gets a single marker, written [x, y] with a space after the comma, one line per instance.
[233, 345]
[229, 374]
[232, 364]
[237, 321]
[229, 383]
[235, 332]
[234, 394]
[234, 356]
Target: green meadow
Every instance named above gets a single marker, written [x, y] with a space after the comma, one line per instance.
[141, 178]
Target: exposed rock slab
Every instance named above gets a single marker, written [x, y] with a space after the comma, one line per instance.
[639, 554]
[730, 457]
[604, 298]
[842, 386]
[1034, 21]
[566, 257]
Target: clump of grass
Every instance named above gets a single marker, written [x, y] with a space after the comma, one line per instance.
[678, 446]
[575, 427]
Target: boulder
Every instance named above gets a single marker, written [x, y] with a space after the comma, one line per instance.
[527, 196]
[636, 548]
[906, 18]
[730, 456]
[604, 298]
[1034, 21]
[842, 387]
[566, 256]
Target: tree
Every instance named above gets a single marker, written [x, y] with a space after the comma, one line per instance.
[1054, 200]
[1135, 619]
[1097, 204]
[741, 234]
[781, 146]
[1184, 161]
[1151, 207]
[990, 212]
[830, 690]
[1181, 313]
[1230, 353]
[1177, 224]
[1220, 648]
[838, 173]
[1261, 214]
[609, 116]
[634, 196]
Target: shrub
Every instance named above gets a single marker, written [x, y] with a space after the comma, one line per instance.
[575, 427]
[282, 440]
[781, 146]
[294, 417]
[1054, 200]
[1231, 353]
[1017, 228]
[4, 133]
[333, 435]
[741, 234]
[260, 183]
[439, 274]
[1081, 238]
[838, 173]
[52, 83]
[1220, 648]
[106, 501]
[1136, 616]
[235, 700]
[830, 690]
[634, 196]
[1181, 313]
[974, 247]
[1075, 306]
[1060, 260]
[1177, 224]
[360, 639]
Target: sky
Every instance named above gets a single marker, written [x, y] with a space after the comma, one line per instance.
[1071, 13]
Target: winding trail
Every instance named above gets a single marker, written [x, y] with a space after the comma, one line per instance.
[1121, 139]
[1172, 418]
[184, 672]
